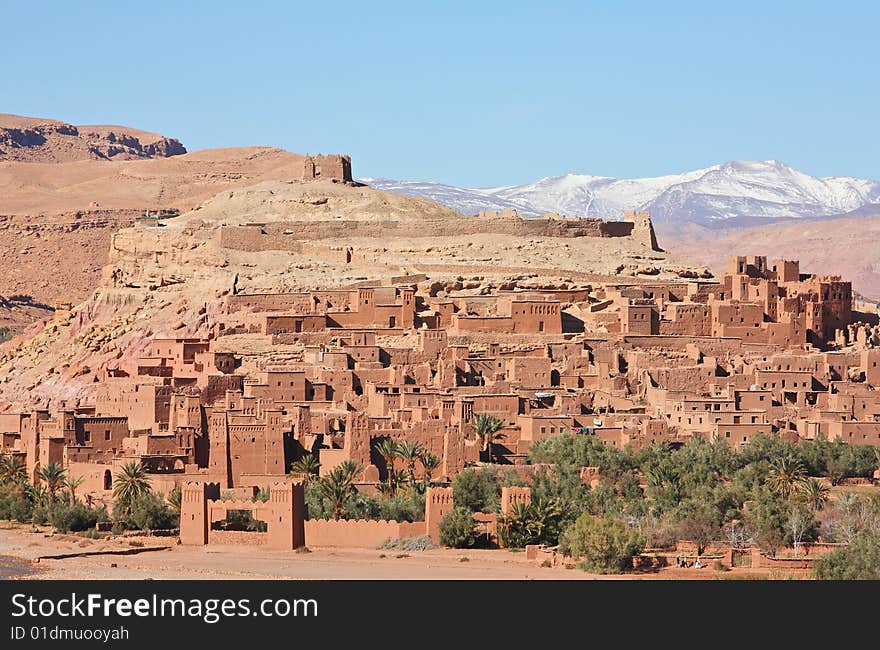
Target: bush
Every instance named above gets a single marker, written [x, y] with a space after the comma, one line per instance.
[39, 515]
[422, 543]
[241, 520]
[477, 490]
[858, 561]
[75, 518]
[539, 522]
[606, 545]
[404, 505]
[149, 512]
[457, 528]
[16, 507]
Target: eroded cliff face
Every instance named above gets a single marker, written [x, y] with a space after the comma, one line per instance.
[170, 280]
[26, 139]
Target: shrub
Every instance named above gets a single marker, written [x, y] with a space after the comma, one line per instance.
[39, 515]
[423, 543]
[457, 528]
[16, 507]
[858, 561]
[241, 520]
[404, 505]
[539, 522]
[477, 490]
[606, 545]
[148, 511]
[66, 518]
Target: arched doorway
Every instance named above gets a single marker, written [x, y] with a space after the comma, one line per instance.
[108, 480]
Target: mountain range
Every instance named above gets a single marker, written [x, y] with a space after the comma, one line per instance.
[736, 192]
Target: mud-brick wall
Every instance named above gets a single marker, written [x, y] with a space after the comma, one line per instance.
[358, 533]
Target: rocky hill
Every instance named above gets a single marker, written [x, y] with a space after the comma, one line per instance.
[170, 280]
[61, 215]
[30, 139]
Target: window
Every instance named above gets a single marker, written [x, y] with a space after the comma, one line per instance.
[107, 434]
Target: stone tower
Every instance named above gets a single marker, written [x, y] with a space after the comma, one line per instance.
[643, 229]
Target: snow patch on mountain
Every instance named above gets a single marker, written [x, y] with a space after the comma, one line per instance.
[737, 189]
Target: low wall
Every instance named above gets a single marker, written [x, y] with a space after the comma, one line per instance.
[358, 533]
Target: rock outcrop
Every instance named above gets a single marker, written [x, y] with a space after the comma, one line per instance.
[28, 139]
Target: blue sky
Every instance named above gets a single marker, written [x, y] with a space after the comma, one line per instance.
[468, 93]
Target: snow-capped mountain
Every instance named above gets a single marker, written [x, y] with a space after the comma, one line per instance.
[765, 189]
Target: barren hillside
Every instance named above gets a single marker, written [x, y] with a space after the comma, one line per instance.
[843, 246]
[274, 236]
[56, 216]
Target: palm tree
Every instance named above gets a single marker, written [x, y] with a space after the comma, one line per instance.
[71, 484]
[338, 486]
[37, 494]
[786, 473]
[12, 470]
[54, 476]
[543, 517]
[307, 465]
[352, 469]
[129, 483]
[388, 449]
[487, 427]
[410, 452]
[815, 494]
[430, 462]
[174, 498]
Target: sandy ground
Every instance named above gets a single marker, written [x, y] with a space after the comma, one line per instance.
[252, 563]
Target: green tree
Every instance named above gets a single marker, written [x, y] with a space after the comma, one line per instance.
[477, 490]
[72, 484]
[537, 522]
[148, 512]
[387, 449]
[786, 475]
[606, 544]
[12, 470]
[130, 482]
[410, 452]
[75, 517]
[430, 463]
[457, 528]
[53, 475]
[814, 494]
[488, 430]
[860, 560]
[338, 487]
[174, 499]
[307, 465]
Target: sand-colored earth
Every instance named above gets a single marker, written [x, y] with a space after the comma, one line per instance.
[255, 563]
